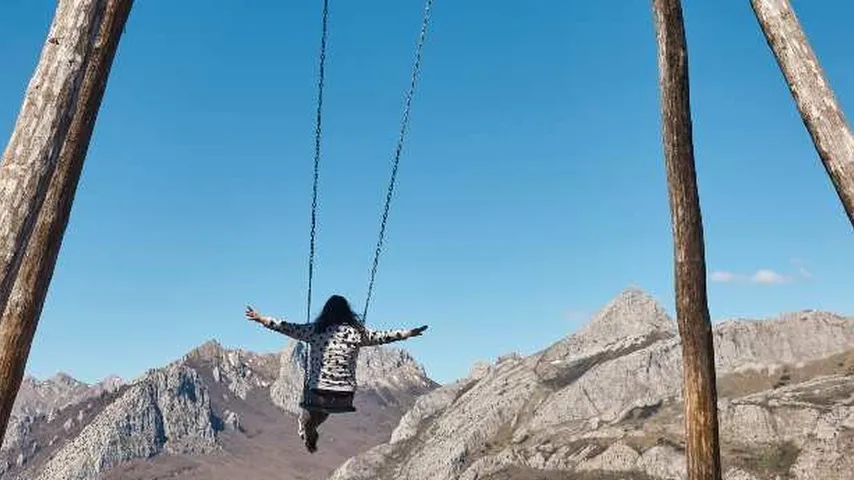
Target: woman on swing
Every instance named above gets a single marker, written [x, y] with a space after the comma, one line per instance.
[335, 338]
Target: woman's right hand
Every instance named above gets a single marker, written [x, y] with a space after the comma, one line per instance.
[253, 315]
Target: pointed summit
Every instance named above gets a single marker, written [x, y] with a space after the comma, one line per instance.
[627, 323]
[209, 350]
[65, 380]
[633, 312]
[110, 383]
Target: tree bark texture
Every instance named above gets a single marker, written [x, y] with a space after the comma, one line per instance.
[818, 107]
[20, 318]
[31, 155]
[692, 311]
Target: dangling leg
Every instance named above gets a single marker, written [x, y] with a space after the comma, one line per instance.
[308, 423]
[311, 434]
[301, 422]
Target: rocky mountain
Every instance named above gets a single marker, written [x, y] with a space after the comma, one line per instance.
[215, 413]
[39, 400]
[605, 403]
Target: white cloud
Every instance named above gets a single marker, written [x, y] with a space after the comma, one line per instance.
[726, 277]
[765, 276]
[762, 276]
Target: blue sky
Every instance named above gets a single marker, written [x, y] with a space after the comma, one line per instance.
[531, 189]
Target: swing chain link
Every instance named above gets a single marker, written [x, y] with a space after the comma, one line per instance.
[404, 124]
[317, 138]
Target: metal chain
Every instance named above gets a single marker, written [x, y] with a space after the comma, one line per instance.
[317, 138]
[403, 127]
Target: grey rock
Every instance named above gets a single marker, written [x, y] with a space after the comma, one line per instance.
[608, 399]
[231, 421]
[617, 458]
[789, 339]
[286, 390]
[234, 368]
[43, 399]
[663, 462]
[167, 410]
[738, 474]
[479, 370]
[428, 405]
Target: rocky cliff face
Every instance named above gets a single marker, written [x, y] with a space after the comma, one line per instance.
[168, 411]
[215, 413]
[604, 403]
[39, 400]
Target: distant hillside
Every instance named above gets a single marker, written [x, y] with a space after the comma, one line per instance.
[39, 400]
[214, 414]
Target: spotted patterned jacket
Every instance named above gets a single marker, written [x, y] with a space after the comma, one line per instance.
[334, 351]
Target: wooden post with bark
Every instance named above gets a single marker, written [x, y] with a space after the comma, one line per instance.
[692, 311]
[23, 308]
[818, 107]
[31, 155]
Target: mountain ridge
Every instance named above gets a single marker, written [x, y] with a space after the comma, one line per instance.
[605, 402]
[602, 402]
[193, 415]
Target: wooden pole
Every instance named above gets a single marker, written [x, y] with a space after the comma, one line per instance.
[692, 311]
[31, 155]
[20, 319]
[818, 107]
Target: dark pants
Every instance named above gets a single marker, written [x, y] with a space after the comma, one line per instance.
[329, 401]
[309, 421]
[317, 405]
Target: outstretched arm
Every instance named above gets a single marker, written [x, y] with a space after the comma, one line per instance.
[298, 331]
[380, 337]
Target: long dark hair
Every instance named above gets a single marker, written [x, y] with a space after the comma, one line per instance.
[337, 311]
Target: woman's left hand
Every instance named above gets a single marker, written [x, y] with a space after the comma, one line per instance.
[418, 331]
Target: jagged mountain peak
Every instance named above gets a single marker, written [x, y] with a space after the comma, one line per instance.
[382, 360]
[632, 312]
[58, 379]
[207, 350]
[214, 352]
[632, 320]
[64, 378]
[112, 382]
